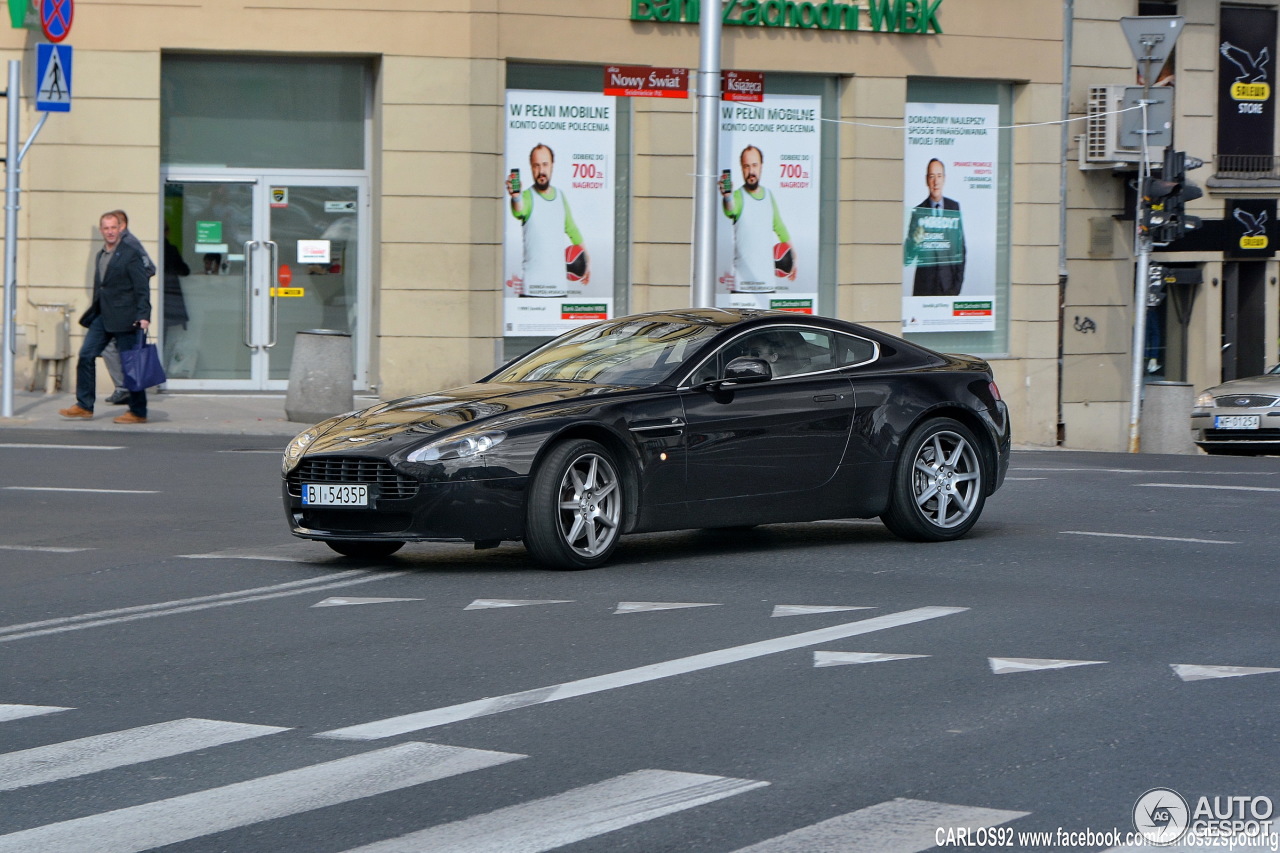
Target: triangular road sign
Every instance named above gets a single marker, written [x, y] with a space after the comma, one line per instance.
[1151, 38]
[845, 658]
[486, 603]
[1194, 672]
[647, 606]
[340, 602]
[807, 609]
[1003, 666]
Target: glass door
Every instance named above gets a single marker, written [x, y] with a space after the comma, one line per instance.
[251, 261]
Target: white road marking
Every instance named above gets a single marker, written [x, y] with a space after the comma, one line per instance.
[1004, 666]
[64, 446]
[807, 609]
[188, 605]
[1218, 488]
[625, 678]
[1008, 479]
[19, 712]
[48, 549]
[844, 658]
[340, 602]
[155, 824]
[86, 755]
[896, 826]
[1197, 672]
[1151, 471]
[573, 816]
[1140, 536]
[83, 491]
[487, 603]
[647, 606]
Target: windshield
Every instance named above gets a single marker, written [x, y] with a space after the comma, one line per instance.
[637, 351]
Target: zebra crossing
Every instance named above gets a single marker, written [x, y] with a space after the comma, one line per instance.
[539, 824]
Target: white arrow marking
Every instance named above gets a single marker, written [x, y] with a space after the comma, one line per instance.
[646, 606]
[843, 658]
[1195, 672]
[486, 603]
[339, 602]
[17, 712]
[1003, 666]
[419, 720]
[806, 609]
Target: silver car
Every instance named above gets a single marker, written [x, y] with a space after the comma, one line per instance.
[1240, 417]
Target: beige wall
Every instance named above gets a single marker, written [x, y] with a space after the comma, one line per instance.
[438, 136]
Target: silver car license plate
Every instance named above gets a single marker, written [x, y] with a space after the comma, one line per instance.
[335, 494]
[1236, 422]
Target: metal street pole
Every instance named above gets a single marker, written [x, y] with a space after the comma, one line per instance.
[11, 163]
[1142, 247]
[706, 195]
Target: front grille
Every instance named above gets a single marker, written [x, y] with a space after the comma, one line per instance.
[1246, 401]
[352, 469]
[355, 521]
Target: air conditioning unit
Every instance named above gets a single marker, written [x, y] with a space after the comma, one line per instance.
[1101, 144]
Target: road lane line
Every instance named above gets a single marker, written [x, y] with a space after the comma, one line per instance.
[625, 678]
[1151, 471]
[45, 548]
[155, 824]
[82, 491]
[64, 446]
[896, 826]
[80, 757]
[573, 816]
[20, 712]
[189, 605]
[1140, 536]
[1197, 486]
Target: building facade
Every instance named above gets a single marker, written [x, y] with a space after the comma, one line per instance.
[412, 174]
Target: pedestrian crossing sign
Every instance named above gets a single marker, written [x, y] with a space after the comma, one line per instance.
[53, 78]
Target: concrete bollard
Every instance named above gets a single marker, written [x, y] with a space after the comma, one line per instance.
[1166, 418]
[320, 376]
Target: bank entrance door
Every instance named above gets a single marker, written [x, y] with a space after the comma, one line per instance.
[250, 261]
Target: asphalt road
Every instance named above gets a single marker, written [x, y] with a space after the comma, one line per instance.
[175, 669]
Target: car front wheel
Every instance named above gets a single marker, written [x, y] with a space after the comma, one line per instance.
[364, 550]
[575, 509]
[939, 486]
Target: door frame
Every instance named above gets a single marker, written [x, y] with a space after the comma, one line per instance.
[262, 180]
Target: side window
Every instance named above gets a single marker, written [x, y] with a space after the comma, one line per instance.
[851, 350]
[790, 352]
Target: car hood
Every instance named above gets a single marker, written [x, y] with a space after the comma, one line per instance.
[1266, 384]
[425, 415]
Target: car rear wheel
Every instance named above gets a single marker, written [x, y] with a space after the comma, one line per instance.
[939, 486]
[364, 550]
[575, 509]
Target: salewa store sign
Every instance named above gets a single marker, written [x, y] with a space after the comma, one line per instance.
[878, 16]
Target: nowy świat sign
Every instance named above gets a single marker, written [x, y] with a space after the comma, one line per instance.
[880, 16]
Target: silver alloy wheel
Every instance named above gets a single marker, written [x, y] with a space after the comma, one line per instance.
[946, 479]
[590, 505]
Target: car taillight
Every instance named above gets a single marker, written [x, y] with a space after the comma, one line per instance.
[995, 392]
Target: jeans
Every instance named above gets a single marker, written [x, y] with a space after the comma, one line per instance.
[95, 341]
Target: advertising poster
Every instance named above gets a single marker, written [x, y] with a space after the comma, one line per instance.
[558, 206]
[767, 241]
[951, 163]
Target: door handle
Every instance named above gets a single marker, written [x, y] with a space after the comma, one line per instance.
[273, 259]
[249, 246]
[825, 398]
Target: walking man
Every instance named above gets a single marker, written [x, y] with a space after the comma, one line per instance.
[121, 306]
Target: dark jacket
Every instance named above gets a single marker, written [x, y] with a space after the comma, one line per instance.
[935, 244]
[122, 296]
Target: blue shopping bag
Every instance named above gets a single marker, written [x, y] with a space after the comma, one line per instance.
[142, 367]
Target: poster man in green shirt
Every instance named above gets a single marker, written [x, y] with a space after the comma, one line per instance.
[546, 222]
[756, 222]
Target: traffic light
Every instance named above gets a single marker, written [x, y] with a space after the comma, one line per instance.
[1164, 218]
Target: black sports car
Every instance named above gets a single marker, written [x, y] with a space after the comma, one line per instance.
[662, 421]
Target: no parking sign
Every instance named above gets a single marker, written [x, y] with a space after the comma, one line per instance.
[55, 18]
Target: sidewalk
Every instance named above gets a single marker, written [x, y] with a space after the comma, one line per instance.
[208, 412]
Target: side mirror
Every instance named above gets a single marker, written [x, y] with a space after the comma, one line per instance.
[745, 370]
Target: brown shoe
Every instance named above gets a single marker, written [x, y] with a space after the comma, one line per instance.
[128, 418]
[76, 412]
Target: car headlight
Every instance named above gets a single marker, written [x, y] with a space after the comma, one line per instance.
[457, 448]
[294, 450]
[1205, 401]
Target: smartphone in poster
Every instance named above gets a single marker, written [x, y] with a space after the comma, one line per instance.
[767, 240]
[950, 196]
[558, 210]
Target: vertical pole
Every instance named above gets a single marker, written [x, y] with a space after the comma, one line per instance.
[1142, 246]
[12, 96]
[706, 195]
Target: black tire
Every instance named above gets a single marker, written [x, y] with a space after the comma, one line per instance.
[575, 508]
[939, 484]
[364, 550]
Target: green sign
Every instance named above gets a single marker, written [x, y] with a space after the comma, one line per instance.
[208, 231]
[18, 13]
[877, 16]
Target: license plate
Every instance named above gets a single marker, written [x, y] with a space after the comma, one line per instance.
[1236, 422]
[335, 494]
